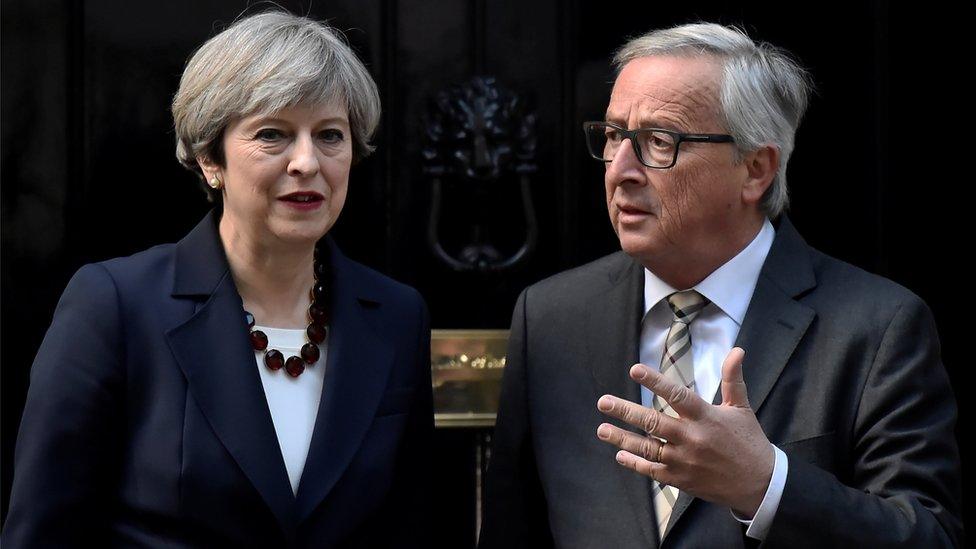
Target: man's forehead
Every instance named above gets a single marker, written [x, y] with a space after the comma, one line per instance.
[687, 86]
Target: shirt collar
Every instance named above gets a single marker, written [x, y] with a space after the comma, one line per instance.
[730, 286]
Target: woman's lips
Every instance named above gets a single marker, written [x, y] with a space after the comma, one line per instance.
[302, 201]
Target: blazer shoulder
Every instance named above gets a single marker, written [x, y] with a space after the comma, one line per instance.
[591, 277]
[852, 290]
[139, 272]
[375, 284]
[141, 268]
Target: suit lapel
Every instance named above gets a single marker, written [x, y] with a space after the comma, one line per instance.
[775, 321]
[773, 325]
[213, 350]
[612, 334]
[613, 329]
[357, 368]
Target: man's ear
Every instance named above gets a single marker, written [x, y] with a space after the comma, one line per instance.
[761, 166]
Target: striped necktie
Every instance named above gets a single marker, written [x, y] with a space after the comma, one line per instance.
[676, 366]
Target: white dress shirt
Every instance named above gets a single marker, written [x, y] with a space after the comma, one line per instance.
[713, 334]
[293, 401]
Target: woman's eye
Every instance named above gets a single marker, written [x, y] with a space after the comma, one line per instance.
[332, 136]
[269, 134]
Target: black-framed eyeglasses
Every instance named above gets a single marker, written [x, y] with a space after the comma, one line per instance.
[654, 147]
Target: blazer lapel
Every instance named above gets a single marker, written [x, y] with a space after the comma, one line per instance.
[774, 324]
[613, 335]
[213, 350]
[357, 367]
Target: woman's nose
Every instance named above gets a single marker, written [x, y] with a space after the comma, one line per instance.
[303, 161]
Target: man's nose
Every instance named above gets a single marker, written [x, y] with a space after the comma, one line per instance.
[625, 166]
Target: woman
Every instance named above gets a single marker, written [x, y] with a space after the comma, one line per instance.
[249, 385]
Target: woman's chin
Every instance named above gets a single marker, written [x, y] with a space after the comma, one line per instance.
[306, 233]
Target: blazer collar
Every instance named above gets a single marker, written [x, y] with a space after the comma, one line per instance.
[214, 352]
[201, 263]
[774, 323]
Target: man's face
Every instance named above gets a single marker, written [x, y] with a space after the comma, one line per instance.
[679, 213]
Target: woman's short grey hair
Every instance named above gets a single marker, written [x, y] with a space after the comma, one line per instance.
[262, 64]
[763, 96]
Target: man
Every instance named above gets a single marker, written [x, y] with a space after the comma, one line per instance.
[784, 397]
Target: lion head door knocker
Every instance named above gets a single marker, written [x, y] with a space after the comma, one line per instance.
[479, 153]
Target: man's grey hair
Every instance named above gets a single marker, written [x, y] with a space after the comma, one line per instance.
[260, 65]
[763, 96]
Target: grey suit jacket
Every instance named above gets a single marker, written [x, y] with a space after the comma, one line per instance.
[842, 368]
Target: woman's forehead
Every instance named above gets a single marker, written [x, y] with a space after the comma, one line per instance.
[305, 113]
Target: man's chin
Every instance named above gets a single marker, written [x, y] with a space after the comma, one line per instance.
[637, 246]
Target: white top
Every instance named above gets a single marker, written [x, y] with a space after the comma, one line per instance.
[713, 334]
[293, 401]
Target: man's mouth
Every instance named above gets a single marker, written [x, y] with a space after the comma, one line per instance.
[632, 210]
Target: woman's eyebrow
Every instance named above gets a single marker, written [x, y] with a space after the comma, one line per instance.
[278, 120]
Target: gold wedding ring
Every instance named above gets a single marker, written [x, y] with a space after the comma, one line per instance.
[660, 450]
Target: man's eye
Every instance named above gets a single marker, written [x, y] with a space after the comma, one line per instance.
[660, 141]
[269, 134]
[332, 136]
[612, 135]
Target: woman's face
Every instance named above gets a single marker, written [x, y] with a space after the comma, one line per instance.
[286, 174]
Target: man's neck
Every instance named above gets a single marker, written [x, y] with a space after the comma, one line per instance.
[684, 270]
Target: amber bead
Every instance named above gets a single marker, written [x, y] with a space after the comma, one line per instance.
[321, 271]
[316, 333]
[310, 353]
[274, 359]
[294, 366]
[258, 340]
[318, 292]
[318, 313]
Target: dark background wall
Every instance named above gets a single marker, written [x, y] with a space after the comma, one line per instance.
[88, 169]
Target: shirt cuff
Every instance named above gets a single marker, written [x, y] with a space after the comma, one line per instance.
[759, 525]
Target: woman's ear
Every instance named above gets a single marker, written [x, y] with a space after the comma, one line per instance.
[208, 167]
[211, 173]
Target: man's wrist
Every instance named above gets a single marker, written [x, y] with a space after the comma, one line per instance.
[758, 526]
[746, 509]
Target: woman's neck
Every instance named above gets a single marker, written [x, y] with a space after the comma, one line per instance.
[273, 278]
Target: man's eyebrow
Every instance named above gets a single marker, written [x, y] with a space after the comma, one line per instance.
[644, 123]
[659, 124]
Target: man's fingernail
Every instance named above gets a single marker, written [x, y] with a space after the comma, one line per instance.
[604, 431]
[638, 371]
[620, 457]
[605, 404]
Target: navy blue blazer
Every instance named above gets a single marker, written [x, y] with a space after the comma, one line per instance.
[146, 423]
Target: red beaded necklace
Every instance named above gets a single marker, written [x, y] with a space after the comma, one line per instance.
[318, 315]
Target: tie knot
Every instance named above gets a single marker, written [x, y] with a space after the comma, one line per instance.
[686, 305]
